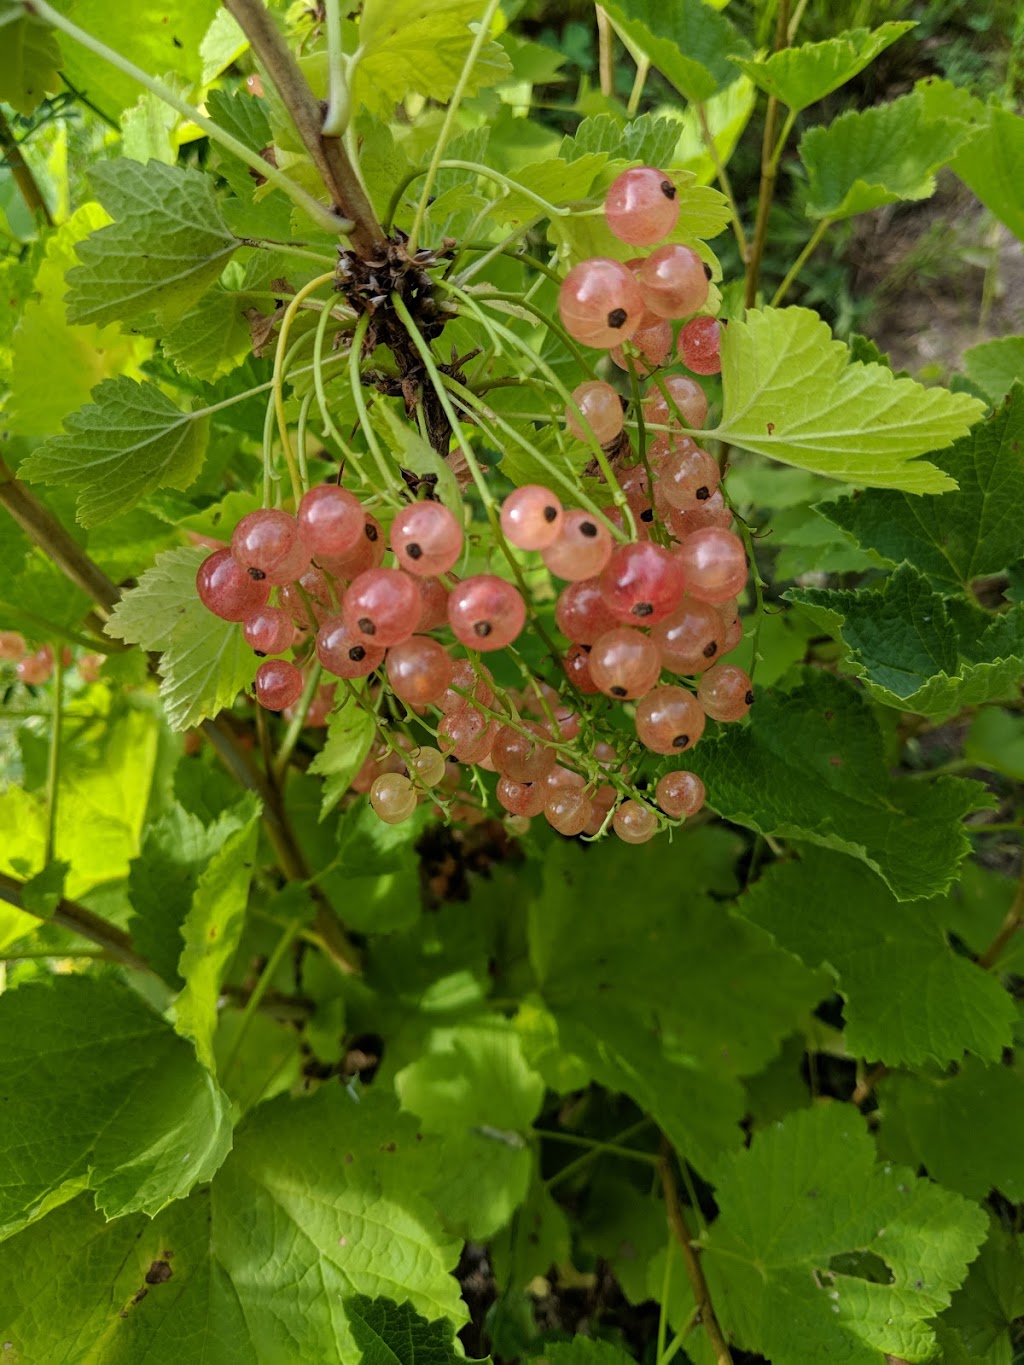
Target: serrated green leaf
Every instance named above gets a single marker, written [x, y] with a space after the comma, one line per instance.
[905, 645]
[204, 661]
[126, 1109]
[870, 157]
[410, 451]
[800, 76]
[806, 1194]
[129, 441]
[646, 139]
[373, 872]
[996, 741]
[473, 1087]
[642, 1000]
[963, 1129]
[688, 42]
[962, 535]
[559, 182]
[389, 1334]
[212, 930]
[166, 245]
[213, 337]
[996, 366]
[350, 732]
[149, 131]
[223, 43]
[30, 58]
[992, 165]
[984, 1309]
[893, 964]
[419, 46]
[790, 392]
[811, 766]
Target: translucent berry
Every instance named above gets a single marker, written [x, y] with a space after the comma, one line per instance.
[653, 343]
[426, 539]
[35, 668]
[577, 669]
[688, 478]
[428, 764]
[269, 630]
[345, 653]
[691, 639]
[560, 776]
[642, 583]
[267, 543]
[278, 684]
[531, 517]
[582, 549]
[521, 798]
[726, 692]
[674, 397]
[321, 706]
[467, 685]
[467, 734]
[568, 810]
[601, 406]
[419, 670]
[434, 605]
[672, 282]
[714, 564]
[624, 663]
[730, 614]
[634, 823]
[90, 666]
[486, 612]
[680, 794]
[523, 753]
[713, 512]
[699, 345]
[669, 720]
[383, 605]
[600, 302]
[368, 553]
[226, 589]
[393, 798]
[309, 601]
[581, 613]
[331, 521]
[641, 206]
[12, 646]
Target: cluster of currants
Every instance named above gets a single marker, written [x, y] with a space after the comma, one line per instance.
[35, 666]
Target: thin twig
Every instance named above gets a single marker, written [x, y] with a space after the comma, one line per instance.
[868, 1082]
[723, 179]
[699, 1285]
[70, 915]
[22, 173]
[606, 57]
[1010, 925]
[769, 166]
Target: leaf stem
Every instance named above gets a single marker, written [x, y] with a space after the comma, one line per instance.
[76, 918]
[1012, 922]
[801, 261]
[582, 1161]
[769, 166]
[643, 67]
[53, 757]
[391, 487]
[681, 1232]
[723, 179]
[279, 359]
[22, 172]
[259, 991]
[298, 720]
[605, 53]
[480, 37]
[338, 103]
[596, 1145]
[320, 215]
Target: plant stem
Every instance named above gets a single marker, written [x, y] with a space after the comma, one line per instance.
[1010, 925]
[506, 182]
[868, 1082]
[365, 236]
[22, 173]
[279, 357]
[596, 1145]
[643, 67]
[320, 215]
[769, 166]
[53, 758]
[589, 1156]
[723, 179]
[391, 488]
[260, 989]
[338, 103]
[801, 261]
[70, 915]
[44, 530]
[482, 34]
[605, 54]
[699, 1285]
[298, 720]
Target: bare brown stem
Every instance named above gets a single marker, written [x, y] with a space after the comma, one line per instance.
[681, 1232]
[329, 155]
[867, 1083]
[70, 915]
[23, 177]
[769, 166]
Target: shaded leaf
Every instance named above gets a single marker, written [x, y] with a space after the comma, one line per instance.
[688, 41]
[799, 76]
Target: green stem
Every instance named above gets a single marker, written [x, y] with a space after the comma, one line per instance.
[769, 165]
[78, 920]
[259, 990]
[508, 184]
[53, 759]
[391, 486]
[348, 454]
[482, 34]
[286, 249]
[596, 1145]
[279, 363]
[708, 138]
[643, 67]
[298, 720]
[22, 173]
[583, 1161]
[801, 260]
[322, 216]
[338, 103]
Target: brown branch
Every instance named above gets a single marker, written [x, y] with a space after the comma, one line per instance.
[23, 177]
[769, 166]
[868, 1082]
[699, 1285]
[328, 153]
[1010, 925]
[70, 915]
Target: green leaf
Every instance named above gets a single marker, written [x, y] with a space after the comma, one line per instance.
[672, 1001]
[811, 766]
[536, 1239]
[129, 441]
[585, 1351]
[647, 139]
[796, 1209]
[996, 366]
[42, 893]
[905, 645]
[223, 43]
[204, 661]
[212, 930]
[996, 741]
[350, 732]
[992, 165]
[151, 131]
[125, 1108]
[473, 1087]
[30, 58]
[800, 76]
[790, 392]
[557, 181]
[892, 962]
[882, 155]
[963, 1129]
[962, 535]
[688, 42]
[992, 1297]
[387, 1334]
[213, 337]
[76, 359]
[419, 46]
[166, 245]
